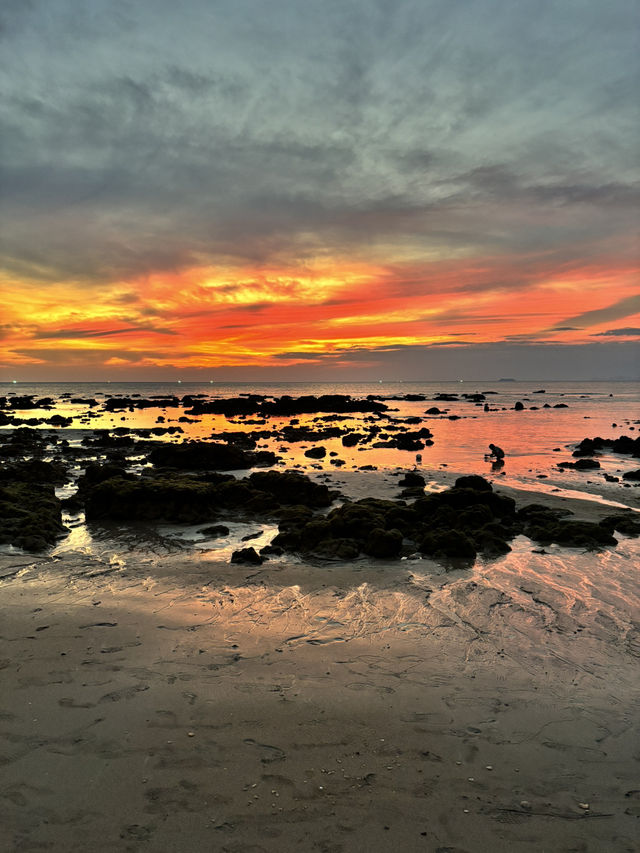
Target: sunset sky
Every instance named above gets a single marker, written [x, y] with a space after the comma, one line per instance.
[319, 189]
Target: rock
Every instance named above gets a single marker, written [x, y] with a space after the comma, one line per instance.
[34, 471]
[577, 534]
[214, 530]
[292, 487]
[412, 478]
[580, 465]
[351, 439]
[199, 456]
[448, 543]
[285, 406]
[627, 524]
[30, 515]
[96, 473]
[632, 475]
[316, 452]
[475, 482]
[519, 406]
[247, 555]
[383, 543]
[337, 549]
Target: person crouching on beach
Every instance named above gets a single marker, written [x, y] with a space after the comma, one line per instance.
[496, 456]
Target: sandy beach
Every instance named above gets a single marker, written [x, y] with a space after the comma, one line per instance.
[171, 704]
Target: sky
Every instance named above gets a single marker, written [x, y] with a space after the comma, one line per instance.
[319, 190]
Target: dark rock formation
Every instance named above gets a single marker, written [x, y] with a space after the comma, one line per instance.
[202, 456]
[30, 515]
[580, 464]
[316, 452]
[247, 555]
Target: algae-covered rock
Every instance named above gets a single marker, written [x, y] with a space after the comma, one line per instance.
[247, 555]
[183, 499]
[30, 515]
[337, 549]
[577, 534]
[448, 543]
[34, 471]
[475, 482]
[200, 456]
[292, 487]
[383, 543]
[627, 524]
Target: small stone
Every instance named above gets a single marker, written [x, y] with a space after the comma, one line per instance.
[584, 805]
[489, 767]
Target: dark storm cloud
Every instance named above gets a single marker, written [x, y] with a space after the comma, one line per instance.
[147, 135]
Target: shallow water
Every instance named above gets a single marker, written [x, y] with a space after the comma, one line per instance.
[535, 440]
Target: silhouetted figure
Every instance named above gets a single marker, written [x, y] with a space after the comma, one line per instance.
[496, 452]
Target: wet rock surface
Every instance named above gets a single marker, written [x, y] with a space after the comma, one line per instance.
[198, 456]
[30, 515]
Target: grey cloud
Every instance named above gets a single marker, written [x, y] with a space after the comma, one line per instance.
[613, 333]
[307, 356]
[142, 136]
[623, 308]
[101, 333]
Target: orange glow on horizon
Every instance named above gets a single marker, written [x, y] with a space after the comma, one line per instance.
[207, 317]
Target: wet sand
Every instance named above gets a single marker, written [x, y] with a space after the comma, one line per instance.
[172, 704]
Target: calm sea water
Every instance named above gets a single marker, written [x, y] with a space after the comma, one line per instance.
[602, 584]
[534, 439]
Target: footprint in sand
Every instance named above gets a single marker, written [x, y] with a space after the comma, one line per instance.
[367, 685]
[125, 693]
[271, 753]
[66, 702]
[137, 832]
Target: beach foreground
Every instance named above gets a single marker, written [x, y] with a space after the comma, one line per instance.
[176, 704]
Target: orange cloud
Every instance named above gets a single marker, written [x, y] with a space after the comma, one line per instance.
[207, 317]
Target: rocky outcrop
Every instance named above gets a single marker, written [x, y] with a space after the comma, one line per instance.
[30, 515]
[203, 456]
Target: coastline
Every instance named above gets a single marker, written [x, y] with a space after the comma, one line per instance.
[163, 704]
[159, 697]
